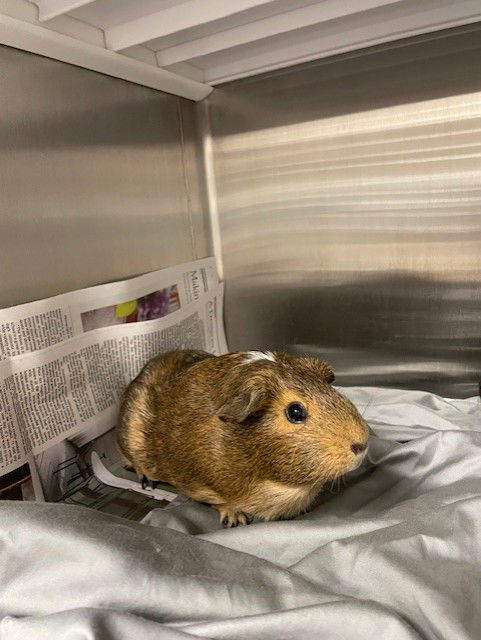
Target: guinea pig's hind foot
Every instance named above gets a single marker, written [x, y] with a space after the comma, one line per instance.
[229, 517]
[145, 483]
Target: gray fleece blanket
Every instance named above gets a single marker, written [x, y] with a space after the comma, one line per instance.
[394, 553]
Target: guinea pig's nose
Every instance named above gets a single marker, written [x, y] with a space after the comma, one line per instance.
[358, 447]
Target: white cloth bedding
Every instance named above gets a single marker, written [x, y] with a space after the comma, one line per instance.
[395, 553]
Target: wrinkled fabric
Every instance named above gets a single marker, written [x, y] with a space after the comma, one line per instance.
[394, 552]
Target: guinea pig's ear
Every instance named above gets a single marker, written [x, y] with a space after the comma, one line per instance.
[327, 372]
[242, 405]
[321, 369]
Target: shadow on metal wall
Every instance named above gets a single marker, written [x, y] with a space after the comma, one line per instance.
[399, 331]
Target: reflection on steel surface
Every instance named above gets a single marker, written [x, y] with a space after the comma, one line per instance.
[349, 197]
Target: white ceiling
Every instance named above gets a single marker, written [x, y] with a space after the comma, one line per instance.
[224, 39]
[213, 41]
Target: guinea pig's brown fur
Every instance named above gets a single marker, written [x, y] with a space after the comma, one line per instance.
[217, 428]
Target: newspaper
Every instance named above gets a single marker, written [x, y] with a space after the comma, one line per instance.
[37, 325]
[108, 478]
[57, 399]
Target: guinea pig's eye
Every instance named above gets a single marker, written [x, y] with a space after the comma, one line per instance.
[296, 412]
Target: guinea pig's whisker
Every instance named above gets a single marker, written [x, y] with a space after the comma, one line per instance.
[335, 485]
[367, 407]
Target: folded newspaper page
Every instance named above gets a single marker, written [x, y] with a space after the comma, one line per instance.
[111, 480]
[36, 325]
[56, 400]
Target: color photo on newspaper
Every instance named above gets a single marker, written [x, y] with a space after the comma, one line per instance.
[149, 307]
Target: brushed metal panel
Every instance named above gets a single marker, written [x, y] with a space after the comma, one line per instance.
[349, 198]
[194, 181]
[96, 179]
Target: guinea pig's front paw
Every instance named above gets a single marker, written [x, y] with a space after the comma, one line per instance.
[230, 517]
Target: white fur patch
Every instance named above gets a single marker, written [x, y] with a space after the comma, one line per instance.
[254, 356]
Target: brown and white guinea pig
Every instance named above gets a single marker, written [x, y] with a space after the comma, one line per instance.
[254, 434]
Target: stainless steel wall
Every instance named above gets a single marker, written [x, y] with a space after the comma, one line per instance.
[349, 199]
[99, 179]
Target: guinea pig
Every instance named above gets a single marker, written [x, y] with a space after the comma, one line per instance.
[254, 434]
